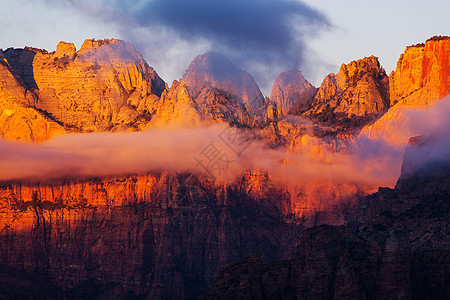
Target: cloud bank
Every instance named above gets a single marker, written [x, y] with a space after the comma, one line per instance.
[224, 153]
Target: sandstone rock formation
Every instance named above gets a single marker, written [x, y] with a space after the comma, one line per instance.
[106, 85]
[217, 71]
[291, 91]
[19, 121]
[212, 89]
[422, 76]
[354, 97]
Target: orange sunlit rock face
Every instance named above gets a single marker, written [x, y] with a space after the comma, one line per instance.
[19, 121]
[422, 76]
[104, 86]
[360, 88]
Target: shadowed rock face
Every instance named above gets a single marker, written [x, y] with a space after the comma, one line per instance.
[213, 89]
[105, 85]
[396, 247]
[158, 236]
[290, 90]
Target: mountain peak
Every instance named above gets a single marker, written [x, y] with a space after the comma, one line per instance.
[213, 64]
[355, 96]
[289, 90]
[93, 43]
[356, 69]
[103, 86]
[217, 70]
[64, 48]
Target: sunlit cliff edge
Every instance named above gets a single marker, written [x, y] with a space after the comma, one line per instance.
[422, 76]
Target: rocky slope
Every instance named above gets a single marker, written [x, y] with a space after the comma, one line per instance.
[213, 89]
[421, 77]
[397, 248]
[355, 96]
[291, 91]
[106, 85]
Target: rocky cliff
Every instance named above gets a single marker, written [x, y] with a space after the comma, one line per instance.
[18, 119]
[106, 85]
[422, 74]
[355, 96]
[163, 236]
[291, 91]
[421, 77]
[397, 248]
[213, 89]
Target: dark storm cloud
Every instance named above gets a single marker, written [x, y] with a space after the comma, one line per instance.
[264, 37]
[272, 29]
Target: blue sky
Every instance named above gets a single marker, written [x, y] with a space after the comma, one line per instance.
[355, 29]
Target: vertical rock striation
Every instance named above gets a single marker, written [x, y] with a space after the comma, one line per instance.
[422, 76]
[163, 236]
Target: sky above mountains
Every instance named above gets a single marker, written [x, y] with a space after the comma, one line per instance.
[264, 37]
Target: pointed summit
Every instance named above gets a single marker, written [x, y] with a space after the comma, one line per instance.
[213, 90]
[218, 71]
[289, 90]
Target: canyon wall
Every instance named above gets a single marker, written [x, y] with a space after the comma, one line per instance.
[396, 247]
[167, 235]
[158, 235]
